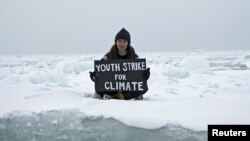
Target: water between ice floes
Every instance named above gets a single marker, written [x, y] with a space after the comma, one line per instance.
[75, 126]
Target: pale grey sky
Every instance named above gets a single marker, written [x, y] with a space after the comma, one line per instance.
[89, 26]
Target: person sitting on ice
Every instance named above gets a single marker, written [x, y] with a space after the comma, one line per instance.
[122, 49]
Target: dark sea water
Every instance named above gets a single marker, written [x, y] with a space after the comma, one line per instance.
[75, 126]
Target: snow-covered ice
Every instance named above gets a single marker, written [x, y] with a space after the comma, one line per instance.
[187, 89]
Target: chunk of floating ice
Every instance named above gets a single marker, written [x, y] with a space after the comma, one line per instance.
[176, 72]
[196, 64]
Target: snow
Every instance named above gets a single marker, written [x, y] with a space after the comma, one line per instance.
[245, 59]
[196, 64]
[185, 88]
[72, 67]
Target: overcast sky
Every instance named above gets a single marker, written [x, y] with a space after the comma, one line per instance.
[89, 26]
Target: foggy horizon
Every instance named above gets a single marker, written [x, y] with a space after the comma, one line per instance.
[79, 27]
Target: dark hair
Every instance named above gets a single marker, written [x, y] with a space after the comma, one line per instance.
[114, 52]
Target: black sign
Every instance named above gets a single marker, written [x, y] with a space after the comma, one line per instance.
[120, 75]
[227, 132]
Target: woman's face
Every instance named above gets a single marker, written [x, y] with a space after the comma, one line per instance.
[122, 44]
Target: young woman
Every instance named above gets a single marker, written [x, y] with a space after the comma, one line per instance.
[121, 50]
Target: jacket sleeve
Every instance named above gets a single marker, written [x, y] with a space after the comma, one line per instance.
[136, 56]
[106, 56]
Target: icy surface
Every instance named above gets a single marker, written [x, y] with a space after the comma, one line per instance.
[188, 90]
[196, 64]
[74, 126]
